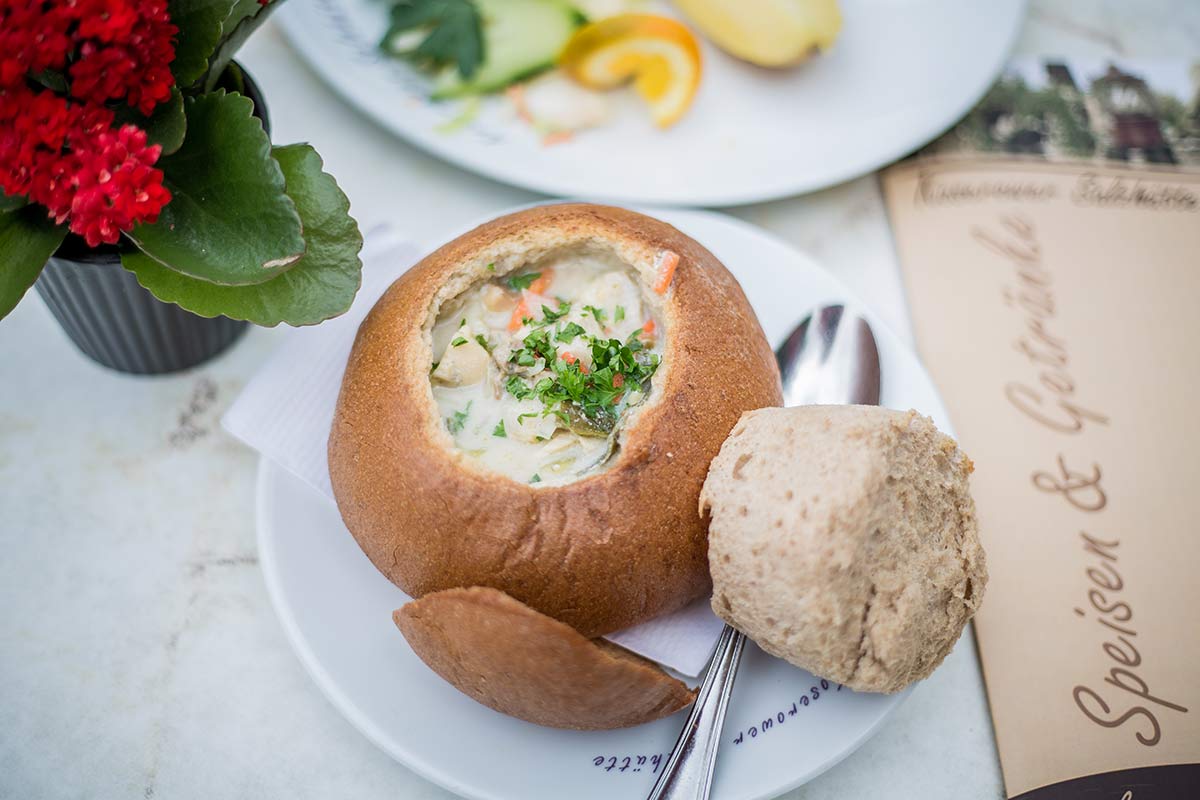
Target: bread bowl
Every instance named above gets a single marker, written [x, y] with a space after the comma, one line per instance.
[610, 536]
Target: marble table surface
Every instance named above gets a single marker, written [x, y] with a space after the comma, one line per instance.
[139, 653]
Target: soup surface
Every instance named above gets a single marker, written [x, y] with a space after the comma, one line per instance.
[538, 371]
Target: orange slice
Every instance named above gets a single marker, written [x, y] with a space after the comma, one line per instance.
[660, 55]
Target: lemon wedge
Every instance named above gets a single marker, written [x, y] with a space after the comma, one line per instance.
[660, 55]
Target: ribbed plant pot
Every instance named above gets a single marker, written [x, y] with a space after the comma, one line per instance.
[117, 323]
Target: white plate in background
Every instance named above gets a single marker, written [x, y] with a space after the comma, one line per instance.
[901, 72]
[784, 726]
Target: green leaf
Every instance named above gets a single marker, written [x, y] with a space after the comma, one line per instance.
[199, 23]
[454, 34]
[320, 286]
[243, 20]
[230, 220]
[27, 240]
[12, 202]
[166, 125]
[241, 9]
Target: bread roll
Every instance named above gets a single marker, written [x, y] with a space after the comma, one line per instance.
[844, 539]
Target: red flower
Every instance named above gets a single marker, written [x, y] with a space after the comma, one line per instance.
[53, 183]
[32, 126]
[116, 185]
[33, 38]
[102, 73]
[106, 20]
[48, 118]
[66, 155]
[125, 52]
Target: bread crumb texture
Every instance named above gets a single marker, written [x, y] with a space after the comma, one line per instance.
[844, 539]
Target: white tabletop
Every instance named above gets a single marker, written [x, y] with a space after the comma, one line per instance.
[139, 655]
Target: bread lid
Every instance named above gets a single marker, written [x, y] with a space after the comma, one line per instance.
[523, 663]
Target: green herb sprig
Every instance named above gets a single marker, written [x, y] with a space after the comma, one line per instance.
[454, 34]
[521, 282]
[456, 421]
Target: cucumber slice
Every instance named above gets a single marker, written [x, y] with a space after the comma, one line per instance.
[520, 39]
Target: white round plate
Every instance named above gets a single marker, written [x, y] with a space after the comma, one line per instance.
[784, 726]
[902, 72]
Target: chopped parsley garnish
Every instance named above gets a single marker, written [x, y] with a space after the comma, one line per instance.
[550, 315]
[586, 396]
[569, 332]
[536, 478]
[616, 369]
[517, 388]
[433, 369]
[520, 282]
[499, 430]
[483, 342]
[456, 421]
[534, 346]
[458, 341]
[491, 267]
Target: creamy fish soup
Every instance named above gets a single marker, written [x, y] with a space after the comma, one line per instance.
[537, 371]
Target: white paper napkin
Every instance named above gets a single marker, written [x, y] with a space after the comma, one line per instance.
[286, 410]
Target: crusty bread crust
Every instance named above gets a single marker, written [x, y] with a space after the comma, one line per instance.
[601, 553]
[509, 657]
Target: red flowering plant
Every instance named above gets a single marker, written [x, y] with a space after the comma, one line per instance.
[124, 122]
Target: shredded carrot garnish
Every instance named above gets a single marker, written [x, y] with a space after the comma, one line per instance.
[542, 282]
[557, 137]
[518, 316]
[667, 262]
[648, 328]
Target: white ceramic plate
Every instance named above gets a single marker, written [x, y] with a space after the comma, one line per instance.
[902, 72]
[784, 725]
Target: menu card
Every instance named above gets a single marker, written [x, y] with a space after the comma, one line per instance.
[1054, 282]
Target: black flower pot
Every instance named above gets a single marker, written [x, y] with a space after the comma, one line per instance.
[116, 322]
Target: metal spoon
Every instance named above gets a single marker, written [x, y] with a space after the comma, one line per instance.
[830, 358]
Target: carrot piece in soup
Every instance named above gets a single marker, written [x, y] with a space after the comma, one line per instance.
[519, 314]
[667, 262]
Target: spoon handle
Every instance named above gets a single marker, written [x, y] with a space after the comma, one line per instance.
[688, 772]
